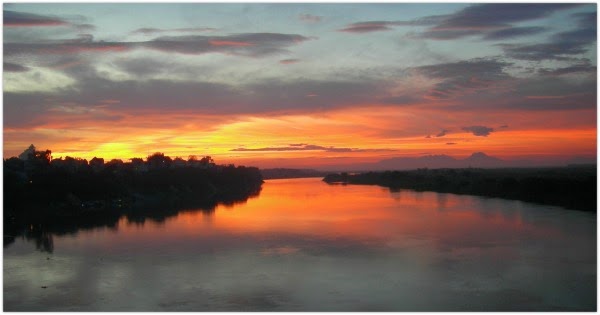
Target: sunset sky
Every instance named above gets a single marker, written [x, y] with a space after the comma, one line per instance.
[301, 85]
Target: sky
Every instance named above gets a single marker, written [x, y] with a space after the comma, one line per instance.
[301, 85]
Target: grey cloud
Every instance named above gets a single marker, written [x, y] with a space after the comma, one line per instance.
[21, 19]
[491, 20]
[249, 44]
[13, 67]
[366, 27]
[442, 133]
[84, 27]
[266, 97]
[480, 131]
[460, 77]
[549, 51]
[310, 18]
[585, 68]
[499, 15]
[151, 31]
[561, 46]
[513, 32]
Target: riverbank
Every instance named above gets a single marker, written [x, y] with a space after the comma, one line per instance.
[569, 187]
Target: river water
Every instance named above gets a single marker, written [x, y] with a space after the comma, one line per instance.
[304, 245]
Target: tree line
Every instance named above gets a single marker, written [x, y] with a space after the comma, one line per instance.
[569, 187]
[42, 190]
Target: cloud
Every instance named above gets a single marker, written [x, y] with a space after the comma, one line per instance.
[152, 31]
[307, 147]
[491, 20]
[480, 131]
[450, 143]
[375, 26]
[20, 19]
[463, 77]
[309, 18]
[561, 46]
[248, 44]
[367, 27]
[266, 97]
[84, 27]
[288, 61]
[585, 68]
[13, 67]
[512, 32]
[492, 16]
[442, 133]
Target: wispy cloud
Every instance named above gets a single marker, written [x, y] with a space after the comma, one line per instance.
[307, 147]
[562, 45]
[248, 44]
[463, 77]
[152, 31]
[21, 19]
[288, 61]
[309, 18]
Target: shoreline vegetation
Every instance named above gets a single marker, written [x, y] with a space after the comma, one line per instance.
[569, 187]
[44, 195]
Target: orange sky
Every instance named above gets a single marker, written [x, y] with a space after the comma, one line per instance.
[276, 89]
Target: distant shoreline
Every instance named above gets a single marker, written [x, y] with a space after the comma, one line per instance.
[568, 187]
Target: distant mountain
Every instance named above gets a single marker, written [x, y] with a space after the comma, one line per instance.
[476, 160]
[482, 160]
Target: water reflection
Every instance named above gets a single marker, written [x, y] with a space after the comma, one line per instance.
[303, 245]
[41, 232]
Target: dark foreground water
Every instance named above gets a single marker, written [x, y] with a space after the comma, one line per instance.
[303, 245]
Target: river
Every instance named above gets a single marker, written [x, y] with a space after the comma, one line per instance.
[304, 245]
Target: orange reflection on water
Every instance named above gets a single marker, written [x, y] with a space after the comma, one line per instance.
[313, 209]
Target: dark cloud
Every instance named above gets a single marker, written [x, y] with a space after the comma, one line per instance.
[442, 133]
[492, 21]
[561, 46]
[492, 16]
[309, 18]
[13, 67]
[367, 27]
[374, 26]
[20, 19]
[513, 32]
[271, 97]
[450, 143]
[585, 68]
[464, 76]
[308, 147]
[250, 44]
[537, 52]
[480, 131]
[152, 31]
